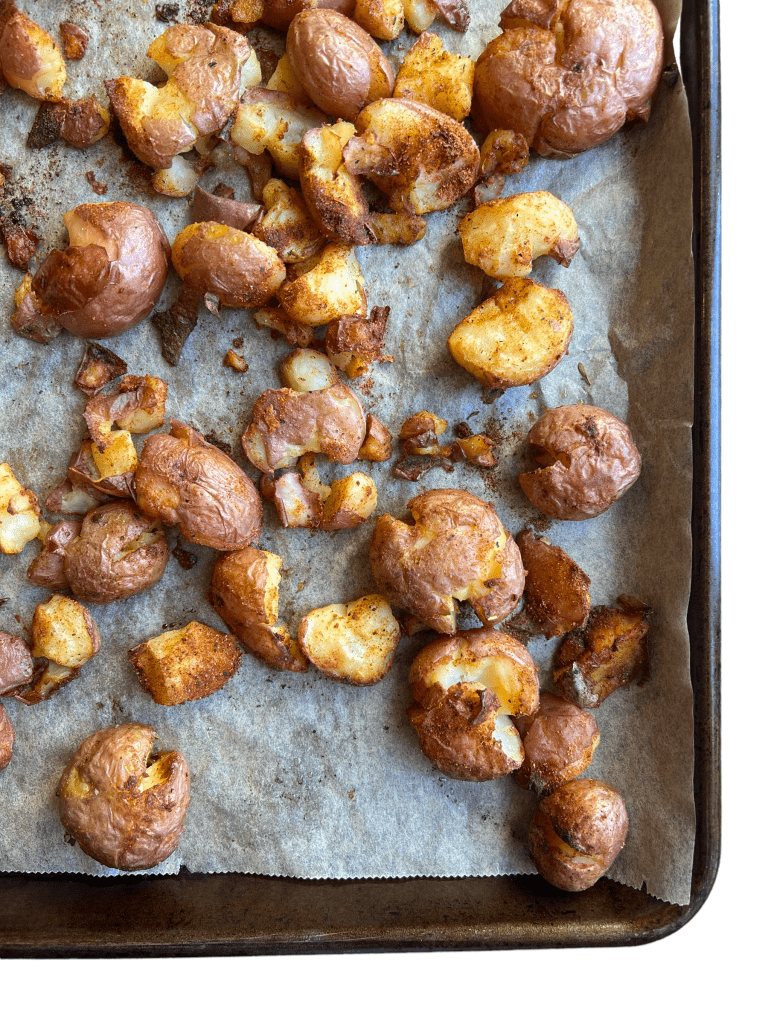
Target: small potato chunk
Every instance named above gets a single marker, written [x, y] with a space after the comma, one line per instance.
[287, 226]
[47, 570]
[284, 79]
[117, 458]
[556, 589]
[178, 180]
[330, 287]
[20, 513]
[16, 665]
[30, 60]
[351, 501]
[560, 740]
[275, 122]
[504, 236]
[515, 337]
[353, 343]
[354, 642]
[419, 14]
[7, 738]
[64, 632]
[435, 76]
[306, 369]
[333, 195]
[383, 19]
[97, 368]
[185, 664]
[377, 446]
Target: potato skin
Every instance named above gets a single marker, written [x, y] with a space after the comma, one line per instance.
[559, 739]
[183, 480]
[589, 461]
[16, 665]
[7, 738]
[47, 570]
[102, 804]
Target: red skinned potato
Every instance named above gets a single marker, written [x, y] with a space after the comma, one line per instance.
[280, 13]
[588, 461]
[30, 60]
[559, 741]
[47, 570]
[16, 664]
[125, 807]
[577, 833]
[7, 738]
[567, 76]
[183, 480]
[556, 589]
[110, 276]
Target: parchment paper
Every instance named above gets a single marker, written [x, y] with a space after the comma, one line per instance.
[296, 774]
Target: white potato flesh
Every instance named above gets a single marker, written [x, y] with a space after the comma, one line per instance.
[507, 735]
[176, 181]
[355, 642]
[437, 77]
[64, 632]
[419, 14]
[334, 287]
[511, 682]
[306, 369]
[275, 122]
[20, 518]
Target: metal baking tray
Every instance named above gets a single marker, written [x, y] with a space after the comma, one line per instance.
[64, 916]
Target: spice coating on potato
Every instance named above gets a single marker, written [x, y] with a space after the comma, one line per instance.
[577, 833]
[125, 808]
[275, 123]
[64, 632]
[16, 665]
[353, 642]
[435, 76]
[185, 481]
[185, 664]
[556, 589]
[7, 738]
[589, 460]
[327, 287]
[559, 740]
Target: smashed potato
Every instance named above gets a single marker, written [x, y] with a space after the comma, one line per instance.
[334, 196]
[276, 123]
[185, 664]
[20, 513]
[326, 287]
[30, 60]
[354, 642]
[47, 570]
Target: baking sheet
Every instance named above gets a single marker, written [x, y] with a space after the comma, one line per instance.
[298, 775]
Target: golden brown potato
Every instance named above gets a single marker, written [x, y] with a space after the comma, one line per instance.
[516, 337]
[556, 589]
[352, 500]
[284, 80]
[47, 570]
[124, 806]
[334, 196]
[567, 76]
[454, 549]
[185, 664]
[245, 592]
[353, 343]
[276, 123]
[419, 14]
[338, 64]
[20, 513]
[7, 738]
[503, 237]
[437, 77]
[327, 287]
[588, 461]
[353, 642]
[85, 477]
[119, 552]
[383, 19]
[16, 665]
[377, 446]
[577, 833]
[30, 60]
[559, 740]
[609, 652]
[287, 225]
[183, 480]
[64, 632]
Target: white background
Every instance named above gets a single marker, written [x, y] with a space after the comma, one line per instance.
[715, 964]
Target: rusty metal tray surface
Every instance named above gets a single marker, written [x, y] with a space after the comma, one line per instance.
[59, 916]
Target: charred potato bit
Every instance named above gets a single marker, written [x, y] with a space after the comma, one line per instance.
[455, 549]
[306, 369]
[20, 513]
[516, 337]
[353, 343]
[224, 210]
[377, 446]
[7, 738]
[337, 63]
[124, 807]
[245, 592]
[588, 461]
[287, 225]
[327, 287]
[556, 589]
[30, 60]
[16, 665]
[185, 664]
[566, 76]
[505, 236]
[383, 19]
[334, 196]
[609, 652]
[28, 319]
[64, 632]
[183, 480]
[354, 642]
[275, 122]
[47, 570]
[560, 740]
[577, 833]
[174, 325]
[434, 76]
[80, 123]
[74, 40]
[97, 368]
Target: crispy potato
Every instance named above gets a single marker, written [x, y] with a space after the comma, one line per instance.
[287, 225]
[275, 122]
[7, 738]
[80, 123]
[377, 446]
[567, 76]
[383, 19]
[577, 833]
[118, 457]
[276, 319]
[588, 460]
[64, 632]
[556, 589]
[30, 60]
[353, 642]
[396, 228]
[28, 320]
[435, 76]
[327, 287]
[352, 500]
[74, 40]
[20, 513]
[516, 337]
[85, 477]
[353, 343]
[185, 664]
[455, 549]
[306, 369]
[334, 197]
[124, 806]
[183, 480]
[609, 652]
[419, 14]
[559, 740]
[47, 570]
[503, 237]
[16, 665]
[245, 592]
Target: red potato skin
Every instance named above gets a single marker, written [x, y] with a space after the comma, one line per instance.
[280, 13]
[7, 738]
[48, 569]
[559, 741]
[16, 665]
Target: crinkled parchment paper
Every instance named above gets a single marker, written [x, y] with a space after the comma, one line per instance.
[296, 774]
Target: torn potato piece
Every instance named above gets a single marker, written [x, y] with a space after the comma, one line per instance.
[48, 570]
[97, 368]
[560, 740]
[72, 500]
[28, 320]
[334, 196]
[138, 407]
[81, 123]
[354, 343]
[353, 642]
[74, 40]
[396, 228]
[20, 513]
[276, 319]
[85, 478]
[382, 19]
[30, 60]
[284, 79]
[16, 665]
[179, 179]
[329, 286]
[185, 664]
[64, 632]
[287, 226]
[306, 369]
[7, 738]
[556, 589]
[516, 337]
[377, 446]
[301, 500]
[419, 14]
[223, 209]
[175, 324]
[275, 122]
[434, 76]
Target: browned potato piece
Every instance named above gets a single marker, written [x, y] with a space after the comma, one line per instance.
[556, 589]
[236, 267]
[97, 368]
[7, 737]
[80, 123]
[353, 642]
[353, 343]
[567, 76]
[30, 60]
[110, 276]
[503, 237]
[559, 741]
[352, 500]
[337, 62]
[185, 664]
[325, 288]
[47, 570]
[288, 226]
[120, 552]
[377, 446]
[454, 549]
[516, 337]
[437, 77]
[334, 196]
[85, 477]
[589, 460]
[609, 652]
[20, 513]
[245, 592]
[275, 122]
[138, 406]
[74, 40]
[64, 632]
[185, 481]
[123, 805]
[16, 665]
[280, 13]
[284, 80]
[383, 19]
[577, 833]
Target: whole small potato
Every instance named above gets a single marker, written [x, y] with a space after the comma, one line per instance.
[125, 808]
[589, 460]
[559, 741]
[7, 738]
[120, 552]
[185, 481]
[577, 833]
